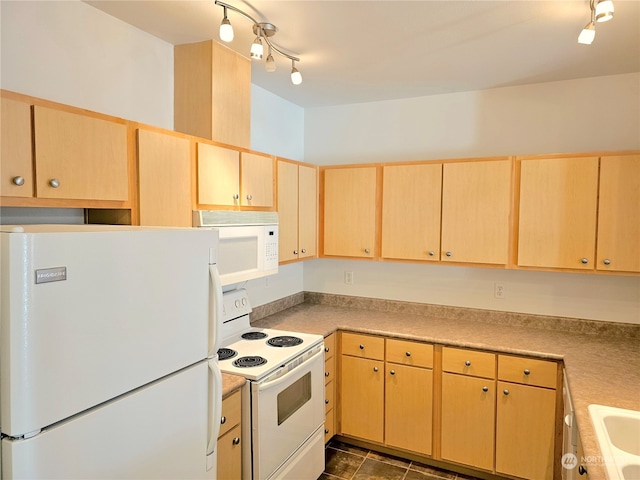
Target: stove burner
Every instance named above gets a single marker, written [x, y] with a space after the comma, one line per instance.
[253, 361]
[225, 353]
[254, 335]
[284, 341]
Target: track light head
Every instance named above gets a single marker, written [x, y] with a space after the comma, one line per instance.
[257, 50]
[270, 64]
[296, 76]
[587, 34]
[226, 30]
[604, 11]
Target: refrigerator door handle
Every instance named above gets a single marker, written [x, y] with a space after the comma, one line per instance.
[215, 412]
[215, 310]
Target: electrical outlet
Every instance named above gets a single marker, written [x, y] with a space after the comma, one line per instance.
[348, 278]
[499, 290]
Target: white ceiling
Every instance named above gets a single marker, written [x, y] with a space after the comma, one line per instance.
[363, 51]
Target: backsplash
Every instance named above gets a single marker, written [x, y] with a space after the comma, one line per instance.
[573, 325]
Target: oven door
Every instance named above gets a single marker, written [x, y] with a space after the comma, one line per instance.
[285, 414]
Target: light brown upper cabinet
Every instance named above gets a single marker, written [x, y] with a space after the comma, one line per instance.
[557, 215]
[349, 211]
[476, 204]
[212, 93]
[15, 155]
[79, 156]
[619, 214]
[229, 178]
[297, 210]
[164, 179]
[411, 196]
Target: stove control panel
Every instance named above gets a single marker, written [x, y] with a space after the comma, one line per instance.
[235, 303]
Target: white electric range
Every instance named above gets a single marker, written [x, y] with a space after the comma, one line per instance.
[283, 403]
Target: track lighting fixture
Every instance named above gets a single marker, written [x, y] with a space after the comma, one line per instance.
[601, 12]
[263, 31]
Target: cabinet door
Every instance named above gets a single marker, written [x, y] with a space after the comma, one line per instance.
[15, 149]
[558, 201]
[256, 181]
[307, 211]
[350, 211]
[476, 201]
[362, 398]
[86, 157]
[525, 431]
[408, 408]
[164, 179]
[230, 455]
[411, 196]
[218, 175]
[619, 214]
[287, 211]
[468, 413]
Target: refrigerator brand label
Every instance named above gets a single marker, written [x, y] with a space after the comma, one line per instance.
[46, 275]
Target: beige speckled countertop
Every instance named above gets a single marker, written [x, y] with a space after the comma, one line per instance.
[602, 367]
[231, 383]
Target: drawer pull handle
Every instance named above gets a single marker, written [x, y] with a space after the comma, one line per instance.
[326, 349]
[582, 470]
[326, 430]
[505, 391]
[223, 420]
[326, 374]
[361, 347]
[375, 369]
[485, 389]
[236, 441]
[326, 401]
[408, 354]
[467, 363]
[392, 372]
[527, 371]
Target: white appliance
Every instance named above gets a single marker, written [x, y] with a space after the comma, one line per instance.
[248, 243]
[283, 410]
[108, 353]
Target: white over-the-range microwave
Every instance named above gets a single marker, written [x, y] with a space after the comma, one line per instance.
[248, 247]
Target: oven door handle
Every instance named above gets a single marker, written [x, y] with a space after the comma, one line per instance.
[265, 386]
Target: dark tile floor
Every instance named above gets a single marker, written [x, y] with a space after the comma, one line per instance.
[348, 462]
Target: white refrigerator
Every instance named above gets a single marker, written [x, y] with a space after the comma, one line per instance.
[108, 352]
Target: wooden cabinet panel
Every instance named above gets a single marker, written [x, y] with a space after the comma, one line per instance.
[87, 156]
[231, 412]
[558, 203]
[164, 179]
[365, 346]
[287, 211]
[350, 211]
[256, 180]
[619, 214]
[409, 408]
[329, 395]
[16, 168]
[527, 371]
[409, 353]
[329, 425]
[230, 455]
[308, 211]
[525, 431]
[468, 414]
[218, 175]
[476, 201]
[411, 197]
[469, 362]
[330, 346]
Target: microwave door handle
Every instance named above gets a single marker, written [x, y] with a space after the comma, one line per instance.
[215, 310]
[215, 409]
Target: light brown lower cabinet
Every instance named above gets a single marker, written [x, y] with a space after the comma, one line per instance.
[329, 386]
[230, 438]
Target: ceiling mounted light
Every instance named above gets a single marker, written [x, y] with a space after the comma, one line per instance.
[604, 11]
[296, 76]
[226, 30]
[263, 31]
[587, 34]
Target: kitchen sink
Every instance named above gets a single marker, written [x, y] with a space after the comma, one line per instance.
[618, 435]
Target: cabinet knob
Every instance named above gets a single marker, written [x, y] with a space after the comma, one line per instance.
[326, 349]
[236, 196]
[295, 252]
[326, 430]
[582, 470]
[505, 391]
[584, 261]
[223, 420]
[467, 363]
[606, 261]
[249, 197]
[408, 354]
[485, 389]
[375, 369]
[236, 441]
[326, 374]
[367, 251]
[361, 347]
[304, 250]
[449, 254]
[527, 371]
[392, 372]
[54, 182]
[432, 253]
[326, 401]
[18, 181]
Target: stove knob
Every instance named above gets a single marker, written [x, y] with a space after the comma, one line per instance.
[237, 303]
[244, 301]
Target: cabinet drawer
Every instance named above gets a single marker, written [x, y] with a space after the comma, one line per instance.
[410, 353]
[329, 396]
[329, 425]
[528, 371]
[329, 370]
[231, 412]
[365, 346]
[329, 346]
[230, 455]
[469, 362]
